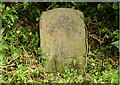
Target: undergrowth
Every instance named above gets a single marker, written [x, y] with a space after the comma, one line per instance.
[22, 59]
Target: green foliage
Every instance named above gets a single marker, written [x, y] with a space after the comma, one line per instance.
[74, 62]
[22, 58]
[115, 5]
[116, 43]
[19, 45]
[9, 15]
[106, 77]
[101, 73]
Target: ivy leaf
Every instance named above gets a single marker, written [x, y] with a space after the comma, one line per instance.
[115, 5]
[107, 36]
[104, 30]
[7, 8]
[30, 81]
[16, 53]
[3, 6]
[116, 43]
[98, 6]
[75, 61]
[3, 51]
[80, 77]
[93, 64]
[12, 49]
[38, 18]
[5, 46]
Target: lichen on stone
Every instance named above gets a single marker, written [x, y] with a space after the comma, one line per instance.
[62, 34]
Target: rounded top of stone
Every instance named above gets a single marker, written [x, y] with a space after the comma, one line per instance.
[66, 9]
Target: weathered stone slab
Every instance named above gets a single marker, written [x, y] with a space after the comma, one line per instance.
[62, 36]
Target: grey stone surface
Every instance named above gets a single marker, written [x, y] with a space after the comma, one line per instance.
[62, 36]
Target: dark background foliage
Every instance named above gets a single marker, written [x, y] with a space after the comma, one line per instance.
[23, 59]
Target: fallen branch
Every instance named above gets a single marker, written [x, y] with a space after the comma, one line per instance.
[99, 40]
